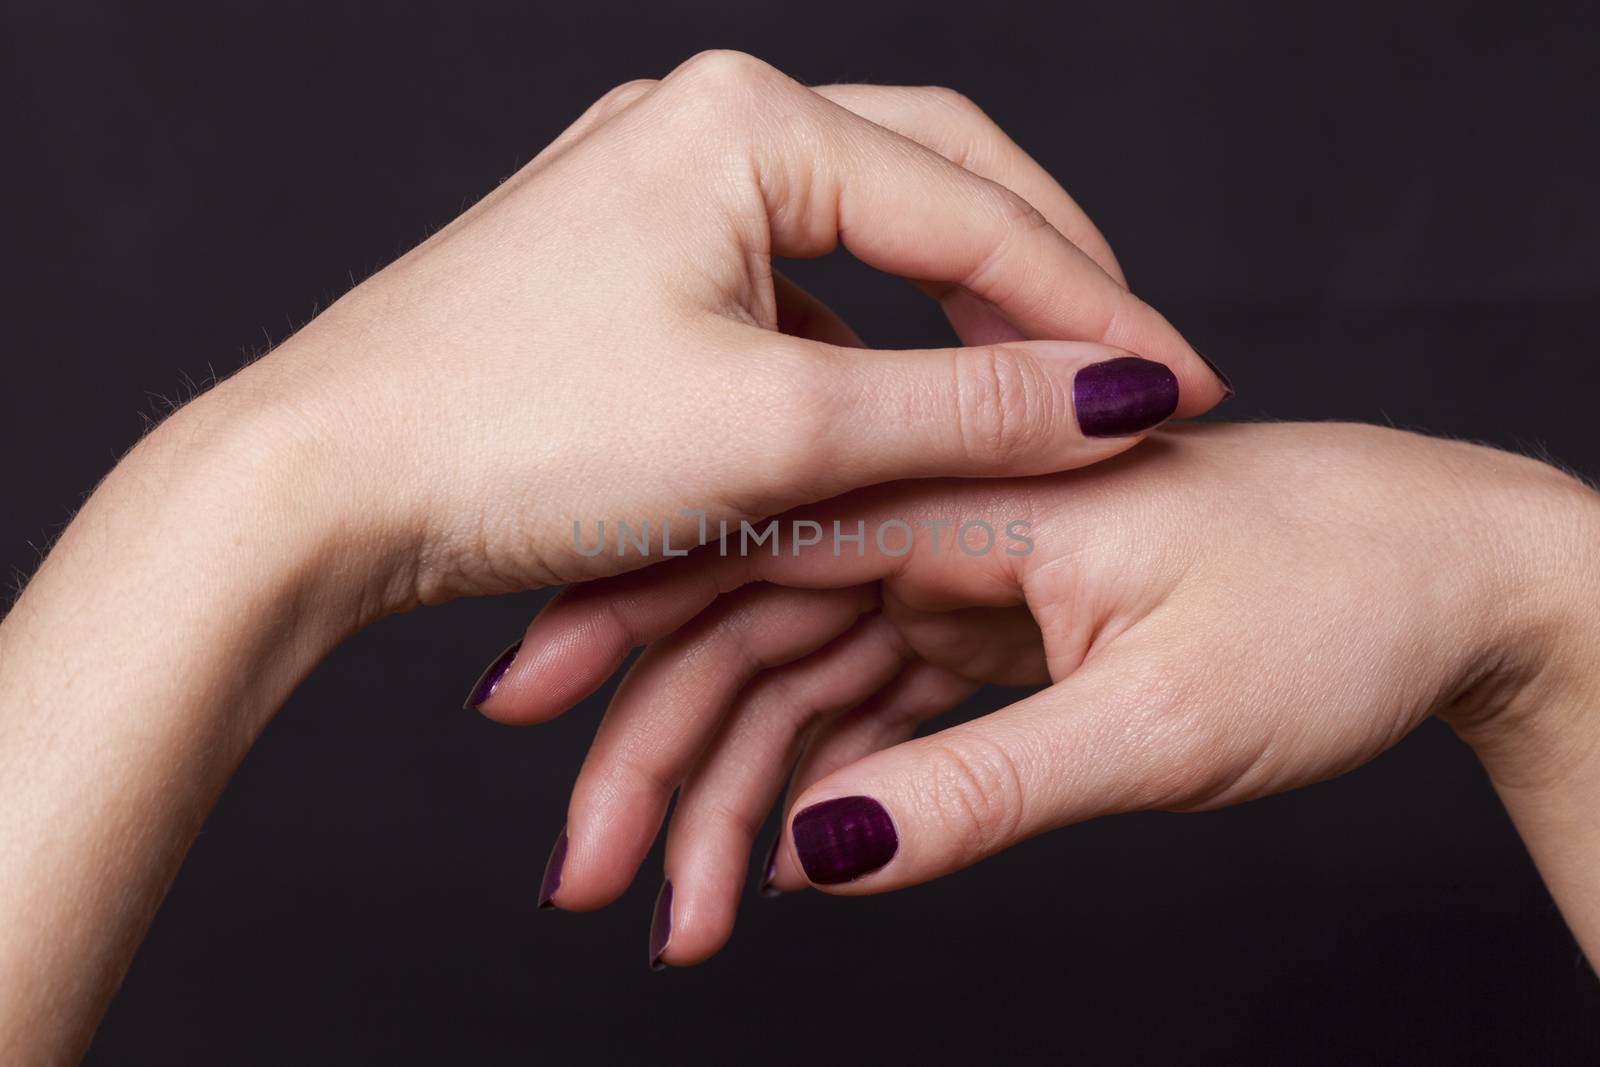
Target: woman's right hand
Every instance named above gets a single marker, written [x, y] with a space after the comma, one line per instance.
[1228, 612]
[602, 338]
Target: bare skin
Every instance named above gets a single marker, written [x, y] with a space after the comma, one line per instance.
[601, 336]
[1229, 612]
[435, 433]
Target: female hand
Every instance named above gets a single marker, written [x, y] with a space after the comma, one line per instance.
[1228, 612]
[598, 340]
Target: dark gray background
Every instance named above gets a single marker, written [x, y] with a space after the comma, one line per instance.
[1358, 213]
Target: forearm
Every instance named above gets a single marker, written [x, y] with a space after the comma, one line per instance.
[1562, 832]
[1544, 760]
[176, 613]
[1541, 746]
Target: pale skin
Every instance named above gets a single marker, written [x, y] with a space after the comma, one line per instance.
[1228, 612]
[435, 432]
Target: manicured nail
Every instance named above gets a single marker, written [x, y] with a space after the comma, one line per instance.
[1123, 396]
[661, 926]
[552, 871]
[770, 870]
[1227, 383]
[844, 838]
[485, 686]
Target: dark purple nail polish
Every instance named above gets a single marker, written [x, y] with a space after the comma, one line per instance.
[1227, 383]
[484, 687]
[1123, 396]
[552, 871]
[843, 839]
[661, 926]
[769, 870]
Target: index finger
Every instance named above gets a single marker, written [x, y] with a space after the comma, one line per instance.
[827, 176]
[907, 537]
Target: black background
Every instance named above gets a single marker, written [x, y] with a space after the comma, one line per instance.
[1359, 213]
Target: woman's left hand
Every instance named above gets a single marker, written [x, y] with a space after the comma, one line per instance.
[1228, 612]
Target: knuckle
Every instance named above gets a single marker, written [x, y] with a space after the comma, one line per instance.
[955, 100]
[780, 697]
[620, 96]
[720, 813]
[1189, 754]
[720, 98]
[737, 649]
[634, 776]
[625, 780]
[723, 71]
[791, 402]
[1007, 405]
[970, 138]
[1016, 221]
[975, 790]
[1020, 216]
[725, 648]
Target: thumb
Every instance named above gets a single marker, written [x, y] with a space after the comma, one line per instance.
[1012, 408]
[1112, 737]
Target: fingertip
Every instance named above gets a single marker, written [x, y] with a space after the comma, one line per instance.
[1223, 381]
[843, 839]
[1143, 331]
[489, 681]
[557, 663]
[1123, 396]
[696, 924]
[606, 843]
[550, 885]
[768, 884]
[661, 927]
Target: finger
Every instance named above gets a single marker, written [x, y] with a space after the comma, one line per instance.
[950, 124]
[1000, 410]
[920, 692]
[585, 632]
[953, 126]
[733, 786]
[908, 535]
[977, 322]
[829, 176]
[1127, 731]
[802, 315]
[667, 710]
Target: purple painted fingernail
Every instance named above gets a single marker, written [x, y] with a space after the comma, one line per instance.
[552, 871]
[661, 926]
[844, 838]
[485, 686]
[1227, 383]
[770, 870]
[1123, 396]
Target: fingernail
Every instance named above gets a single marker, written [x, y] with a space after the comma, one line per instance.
[1227, 383]
[552, 871]
[770, 870]
[661, 926]
[1123, 396]
[844, 838]
[487, 682]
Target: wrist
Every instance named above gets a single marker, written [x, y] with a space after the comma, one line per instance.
[221, 541]
[1537, 724]
[273, 475]
[1541, 749]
